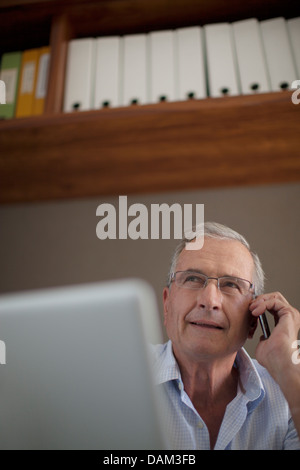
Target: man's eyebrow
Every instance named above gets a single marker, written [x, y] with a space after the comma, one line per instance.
[199, 271]
[195, 270]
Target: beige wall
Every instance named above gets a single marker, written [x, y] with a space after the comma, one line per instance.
[50, 244]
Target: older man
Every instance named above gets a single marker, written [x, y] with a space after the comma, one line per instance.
[217, 397]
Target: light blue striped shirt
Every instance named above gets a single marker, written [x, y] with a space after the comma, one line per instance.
[257, 418]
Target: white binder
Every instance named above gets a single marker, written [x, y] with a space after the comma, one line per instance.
[79, 83]
[162, 66]
[108, 72]
[221, 60]
[190, 63]
[135, 73]
[278, 53]
[294, 34]
[250, 57]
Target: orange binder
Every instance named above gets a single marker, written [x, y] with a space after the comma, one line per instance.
[27, 83]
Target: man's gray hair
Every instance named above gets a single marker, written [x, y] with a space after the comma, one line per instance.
[221, 232]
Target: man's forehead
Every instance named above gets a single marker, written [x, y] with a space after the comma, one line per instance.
[225, 256]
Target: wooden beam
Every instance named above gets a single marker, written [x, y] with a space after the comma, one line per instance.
[244, 140]
[61, 33]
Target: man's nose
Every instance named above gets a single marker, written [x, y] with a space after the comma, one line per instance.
[210, 297]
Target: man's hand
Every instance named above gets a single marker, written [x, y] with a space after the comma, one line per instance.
[276, 352]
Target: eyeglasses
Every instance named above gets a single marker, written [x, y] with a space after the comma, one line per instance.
[226, 284]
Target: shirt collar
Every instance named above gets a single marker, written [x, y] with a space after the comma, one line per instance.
[250, 384]
[166, 367]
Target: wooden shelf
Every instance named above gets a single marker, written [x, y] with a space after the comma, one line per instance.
[244, 140]
[210, 143]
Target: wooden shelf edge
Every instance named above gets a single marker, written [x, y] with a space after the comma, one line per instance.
[244, 140]
[232, 102]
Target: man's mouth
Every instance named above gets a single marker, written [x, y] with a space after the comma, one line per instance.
[209, 325]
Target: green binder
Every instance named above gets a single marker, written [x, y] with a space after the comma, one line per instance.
[10, 72]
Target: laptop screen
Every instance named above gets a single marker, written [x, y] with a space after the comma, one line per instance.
[78, 372]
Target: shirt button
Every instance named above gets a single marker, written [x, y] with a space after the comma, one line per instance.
[200, 425]
[179, 385]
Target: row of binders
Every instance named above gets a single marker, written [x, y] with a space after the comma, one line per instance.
[25, 75]
[195, 62]
[242, 57]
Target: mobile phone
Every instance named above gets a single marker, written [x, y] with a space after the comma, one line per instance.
[264, 325]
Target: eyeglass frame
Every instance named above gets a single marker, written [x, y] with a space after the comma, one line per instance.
[173, 274]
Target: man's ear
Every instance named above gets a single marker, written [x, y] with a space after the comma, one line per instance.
[253, 325]
[166, 302]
